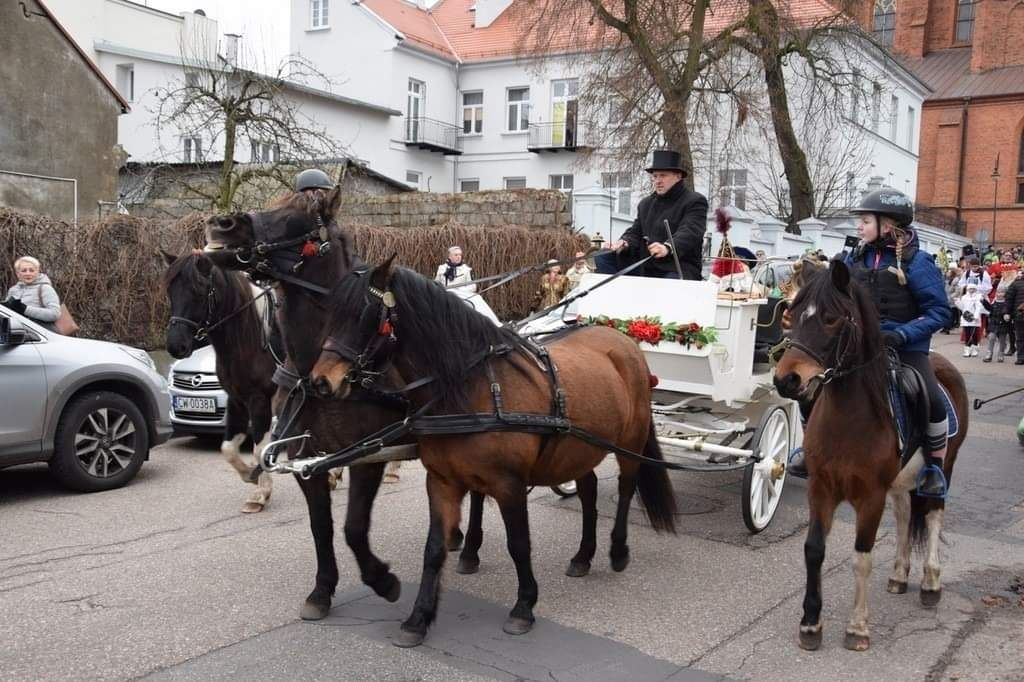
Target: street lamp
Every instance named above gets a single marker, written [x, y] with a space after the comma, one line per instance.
[995, 198]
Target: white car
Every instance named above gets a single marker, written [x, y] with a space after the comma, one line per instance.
[198, 403]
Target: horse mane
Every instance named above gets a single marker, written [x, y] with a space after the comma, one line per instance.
[233, 290]
[305, 203]
[867, 339]
[443, 334]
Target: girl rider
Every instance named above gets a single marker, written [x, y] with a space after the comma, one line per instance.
[910, 296]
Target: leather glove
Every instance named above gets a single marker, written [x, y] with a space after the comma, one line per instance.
[892, 339]
[15, 305]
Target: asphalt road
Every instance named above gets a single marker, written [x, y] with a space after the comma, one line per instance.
[165, 578]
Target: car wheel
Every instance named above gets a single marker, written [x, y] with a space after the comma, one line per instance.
[101, 442]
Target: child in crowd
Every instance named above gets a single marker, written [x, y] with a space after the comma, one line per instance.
[971, 311]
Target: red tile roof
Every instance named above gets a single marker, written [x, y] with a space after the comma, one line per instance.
[447, 28]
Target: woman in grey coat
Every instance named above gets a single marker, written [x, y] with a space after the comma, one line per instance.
[33, 296]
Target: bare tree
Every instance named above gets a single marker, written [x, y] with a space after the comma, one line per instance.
[252, 123]
[647, 62]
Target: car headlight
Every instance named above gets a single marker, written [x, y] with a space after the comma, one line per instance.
[140, 355]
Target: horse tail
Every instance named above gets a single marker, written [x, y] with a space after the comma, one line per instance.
[919, 508]
[655, 489]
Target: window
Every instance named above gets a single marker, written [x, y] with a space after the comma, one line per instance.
[855, 98]
[193, 150]
[617, 107]
[876, 106]
[515, 183]
[564, 108]
[894, 117]
[413, 178]
[1020, 171]
[732, 187]
[191, 79]
[518, 110]
[621, 185]
[264, 152]
[318, 13]
[911, 125]
[851, 189]
[884, 24]
[469, 185]
[415, 105]
[472, 113]
[964, 20]
[562, 182]
[126, 81]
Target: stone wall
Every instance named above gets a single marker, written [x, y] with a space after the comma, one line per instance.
[531, 208]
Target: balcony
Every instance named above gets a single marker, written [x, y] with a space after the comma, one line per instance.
[555, 137]
[433, 136]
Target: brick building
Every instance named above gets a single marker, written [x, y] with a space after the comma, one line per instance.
[971, 54]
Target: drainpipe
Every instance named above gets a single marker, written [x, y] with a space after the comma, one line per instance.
[963, 145]
[455, 158]
[73, 181]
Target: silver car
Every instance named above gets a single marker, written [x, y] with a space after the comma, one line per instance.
[198, 403]
[90, 409]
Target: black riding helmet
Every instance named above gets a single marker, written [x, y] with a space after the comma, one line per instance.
[888, 202]
[312, 178]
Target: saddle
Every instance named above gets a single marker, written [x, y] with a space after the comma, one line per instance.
[910, 406]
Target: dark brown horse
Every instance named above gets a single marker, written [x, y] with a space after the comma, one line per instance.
[223, 306]
[285, 230]
[400, 319]
[851, 444]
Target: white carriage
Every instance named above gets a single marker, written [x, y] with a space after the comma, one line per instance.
[715, 407]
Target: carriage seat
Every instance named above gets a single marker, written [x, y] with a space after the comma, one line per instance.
[769, 330]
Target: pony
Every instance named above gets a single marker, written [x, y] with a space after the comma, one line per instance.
[207, 302]
[404, 322]
[834, 364]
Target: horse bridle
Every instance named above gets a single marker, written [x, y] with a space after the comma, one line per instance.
[843, 346]
[362, 368]
[279, 260]
[202, 330]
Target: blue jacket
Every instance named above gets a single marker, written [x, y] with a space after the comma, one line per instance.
[926, 285]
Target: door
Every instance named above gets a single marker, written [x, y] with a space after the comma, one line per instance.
[414, 109]
[563, 112]
[22, 399]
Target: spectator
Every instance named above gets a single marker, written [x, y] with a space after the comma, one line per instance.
[553, 286]
[973, 272]
[33, 296]
[971, 311]
[453, 271]
[952, 293]
[578, 269]
[1014, 304]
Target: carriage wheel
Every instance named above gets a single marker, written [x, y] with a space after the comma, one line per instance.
[567, 489]
[763, 480]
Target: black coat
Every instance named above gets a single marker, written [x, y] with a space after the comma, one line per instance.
[687, 215]
[1015, 298]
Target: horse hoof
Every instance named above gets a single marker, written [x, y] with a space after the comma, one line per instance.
[897, 587]
[407, 639]
[517, 626]
[252, 507]
[577, 569]
[467, 566]
[855, 642]
[313, 611]
[930, 598]
[810, 640]
[619, 563]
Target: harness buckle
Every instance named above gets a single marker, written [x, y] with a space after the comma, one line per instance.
[200, 334]
[828, 375]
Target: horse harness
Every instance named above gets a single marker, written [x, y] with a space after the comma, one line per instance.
[202, 330]
[364, 374]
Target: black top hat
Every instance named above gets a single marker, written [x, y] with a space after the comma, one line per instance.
[666, 160]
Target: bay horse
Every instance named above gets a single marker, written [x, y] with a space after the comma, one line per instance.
[302, 277]
[836, 360]
[402, 320]
[236, 317]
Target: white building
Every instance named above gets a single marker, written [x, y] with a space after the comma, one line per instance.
[145, 51]
[476, 117]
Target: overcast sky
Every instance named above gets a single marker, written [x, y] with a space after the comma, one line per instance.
[263, 24]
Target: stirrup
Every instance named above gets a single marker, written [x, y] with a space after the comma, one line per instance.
[799, 473]
[923, 473]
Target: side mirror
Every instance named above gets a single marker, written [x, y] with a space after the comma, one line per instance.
[10, 334]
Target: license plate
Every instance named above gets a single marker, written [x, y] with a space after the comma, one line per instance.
[190, 404]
